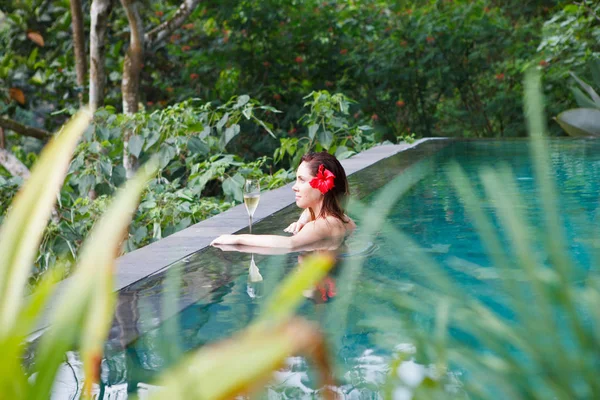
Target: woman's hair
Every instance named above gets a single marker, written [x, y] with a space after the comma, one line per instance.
[334, 200]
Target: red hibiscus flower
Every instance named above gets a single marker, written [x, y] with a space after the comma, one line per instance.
[324, 180]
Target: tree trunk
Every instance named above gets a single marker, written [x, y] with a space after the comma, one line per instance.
[24, 130]
[166, 28]
[2, 138]
[132, 65]
[100, 12]
[79, 46]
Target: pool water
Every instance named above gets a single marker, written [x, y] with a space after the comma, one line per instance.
[215, 298]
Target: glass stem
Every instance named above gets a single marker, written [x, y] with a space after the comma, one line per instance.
[250, 225]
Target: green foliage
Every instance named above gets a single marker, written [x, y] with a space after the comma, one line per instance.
[572, 36]
[36, 57]
[198, 177]
[8, 189]
[429, 67]
[570, 39]
[328, 128]
[434, 68]
[408, 138]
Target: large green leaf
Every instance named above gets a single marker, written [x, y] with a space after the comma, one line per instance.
[580, 122]
[136, 143]
[595, 68]
[232, 187]
[288, 296]
[229, 134]
[588, 89]
[238, 367]
[583, 100]
[22, 229]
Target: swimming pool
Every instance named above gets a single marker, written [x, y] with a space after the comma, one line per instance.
[216, 299]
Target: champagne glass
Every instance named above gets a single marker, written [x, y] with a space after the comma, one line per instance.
[251, 197]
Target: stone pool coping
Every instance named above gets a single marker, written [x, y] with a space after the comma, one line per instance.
[155, 257]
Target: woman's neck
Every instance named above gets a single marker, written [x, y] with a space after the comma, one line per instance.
[316, 210]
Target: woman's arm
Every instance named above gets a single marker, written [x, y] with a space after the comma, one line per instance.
[312, 232]
[324, 244]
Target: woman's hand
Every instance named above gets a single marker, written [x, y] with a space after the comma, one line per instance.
[225, 239]
[294, 227]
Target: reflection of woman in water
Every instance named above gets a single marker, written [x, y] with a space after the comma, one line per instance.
[325, 290]
[321, 189]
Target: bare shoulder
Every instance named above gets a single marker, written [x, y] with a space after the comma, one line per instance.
[335, 226]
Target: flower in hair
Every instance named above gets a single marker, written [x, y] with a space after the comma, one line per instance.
[324, 180]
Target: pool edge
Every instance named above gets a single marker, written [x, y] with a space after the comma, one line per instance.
[157, 256]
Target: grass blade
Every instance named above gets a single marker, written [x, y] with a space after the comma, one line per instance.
[288, 296]
[89, 299]
[23, 227]
[242, 365]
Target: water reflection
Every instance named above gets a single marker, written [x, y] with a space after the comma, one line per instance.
[255, 286]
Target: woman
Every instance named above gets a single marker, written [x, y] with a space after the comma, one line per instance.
[321, 190]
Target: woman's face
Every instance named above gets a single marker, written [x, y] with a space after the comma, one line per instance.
[306, 195]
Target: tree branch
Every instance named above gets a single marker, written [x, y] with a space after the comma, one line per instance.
[13, 165]
[590, 9]
[24, 129]
[16, 168]
[166, 28]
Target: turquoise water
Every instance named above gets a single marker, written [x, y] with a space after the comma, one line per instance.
[215, 298]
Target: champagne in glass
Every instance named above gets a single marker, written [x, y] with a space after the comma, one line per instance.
[251, 197]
